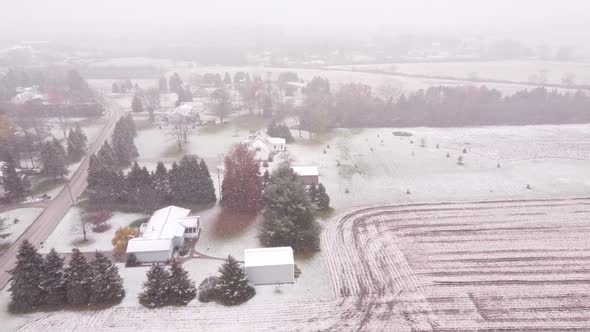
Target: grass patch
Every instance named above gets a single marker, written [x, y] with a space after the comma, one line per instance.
[325, 214]
[138, 222]
[173, 152]
[251, 122]
[47, 184]
[210, 129]
[229, 224]
[143, 124]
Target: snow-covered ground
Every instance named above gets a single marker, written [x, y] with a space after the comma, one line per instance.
[15, 222]
[68, 234]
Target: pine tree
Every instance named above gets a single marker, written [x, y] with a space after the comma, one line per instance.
[155, 293]
[105, 182]
[123, 144]
[107, 285]
[136, 104]
[77, 279]
[206, 188]
[130, 124]
[107, 156]
[322, 200]
[161, 181]
[227, 78]
[242, 188]
[77, 141]
[313, 194]
[26, 279]
[181, 288]
[188, 94]
[136, 178]
[175, 84]
[115, 88]
[53, 158]
[265, 178]
[175, 179]
[16, 187]
[53, 281]
[288, 218]
[163, 84]
[233, 287]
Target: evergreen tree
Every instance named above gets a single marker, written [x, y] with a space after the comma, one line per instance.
[175, 84]
[163, 84]
[53, 281]
[155, 289]
[16, 188]
[206, 188]
[137, 104]
[26, 279]
[115, 88]
[107, 156]
[227, 78]
[233, 287]
[313, 194]
[181, 288]
[130, 125]
[76, 144]
[123, 144]
[107, 285]
[322, 199]
[188, 94]
[78, 279]
[242, 188]
[265, 178]
[105, 182]
[161, 181]
[53, 158]
[288, 218]
[137, 178]
[175, 179]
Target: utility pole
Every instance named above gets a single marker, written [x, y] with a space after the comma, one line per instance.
[70, 192]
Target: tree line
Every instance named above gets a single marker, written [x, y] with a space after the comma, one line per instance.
[38, 282]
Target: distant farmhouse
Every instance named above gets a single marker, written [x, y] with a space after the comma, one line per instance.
[166, 231]
[29, 94]
[264, 146]
[185, 112]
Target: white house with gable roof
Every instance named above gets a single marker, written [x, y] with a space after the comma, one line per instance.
[165, 231]
[265, 146]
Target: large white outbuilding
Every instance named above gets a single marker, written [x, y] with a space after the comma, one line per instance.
[270, 265]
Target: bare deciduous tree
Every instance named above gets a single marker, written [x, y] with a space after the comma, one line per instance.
[151, 101]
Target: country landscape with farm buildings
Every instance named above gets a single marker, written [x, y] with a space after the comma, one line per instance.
[415, 184]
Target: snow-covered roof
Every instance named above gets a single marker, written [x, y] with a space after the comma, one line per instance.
[268, 256]
[26, 96]
[139, 244]
[277, 140]
[169, 222]
[260, 135]
[306, 170]
[2, 167]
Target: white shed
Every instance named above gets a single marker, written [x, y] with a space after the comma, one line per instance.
[151, 250]
[270, 265]
[308, 174]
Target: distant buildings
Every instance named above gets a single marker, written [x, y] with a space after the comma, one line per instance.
[270, 265]
[163, 233]
[29, 94]
[186, 112]
[308, 174]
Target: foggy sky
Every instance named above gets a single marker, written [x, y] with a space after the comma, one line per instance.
[74, 18]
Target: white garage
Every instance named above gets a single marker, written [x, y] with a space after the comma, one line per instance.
[270, 265]
[151, 250]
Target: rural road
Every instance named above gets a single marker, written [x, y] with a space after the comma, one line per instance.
[58, 206]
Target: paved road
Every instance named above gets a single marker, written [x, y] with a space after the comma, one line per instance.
[58, 206]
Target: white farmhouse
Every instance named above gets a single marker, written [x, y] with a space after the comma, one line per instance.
[163, 233]
[270, 265]
[265, 146]
[28, 94]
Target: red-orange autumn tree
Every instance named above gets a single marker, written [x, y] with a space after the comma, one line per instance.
[242, 187]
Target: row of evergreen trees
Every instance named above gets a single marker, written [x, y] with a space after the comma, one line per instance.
[16, 187]
[186, 182]
[37, 282]
[55, 159]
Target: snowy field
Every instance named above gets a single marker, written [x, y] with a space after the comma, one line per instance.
[516, 71]
[68, 234]
[14, 223]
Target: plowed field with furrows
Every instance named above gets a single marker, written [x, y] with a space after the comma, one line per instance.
[486, 266]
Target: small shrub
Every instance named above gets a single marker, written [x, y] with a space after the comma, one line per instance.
[297, 271]
[328, 146]
[528, 186]
[346, 191]
[132, 261]
[422, 143]
[208, 290]
[437, 146]
[464, 150]
[408, 192]
[411, 142]
[448, 155]
[265, 164]
[325, 151]
[460, 160]
[498, 165]
[338, 163]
